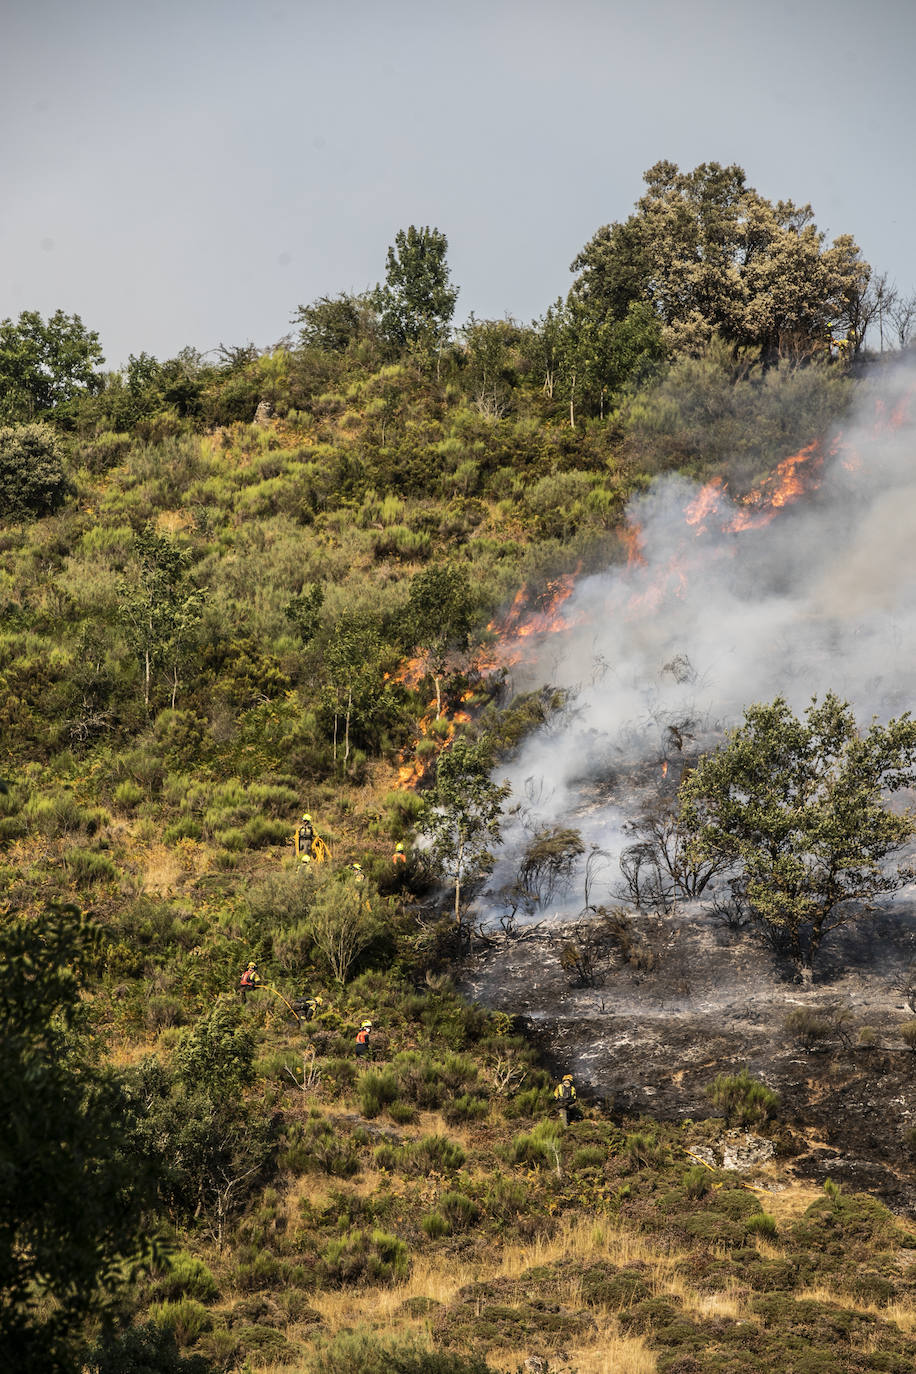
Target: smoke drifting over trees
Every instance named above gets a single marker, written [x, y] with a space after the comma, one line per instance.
[746, 603]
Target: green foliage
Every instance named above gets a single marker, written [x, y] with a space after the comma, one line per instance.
[463, 819]
[369, 1353]
[799, 808]
[359, 1257]
[375, 1091]
[417, 301]
[147, 1349]
[762, 1224]
[187, 1276]
[216, 1055]
[69, 1214]
[742, 1100]
[341, 924]
[186, 1318]
[159, 608]
[708, 253]
[32, 478]
[45, 364]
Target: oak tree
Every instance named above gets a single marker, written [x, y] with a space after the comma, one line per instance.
[799, 808]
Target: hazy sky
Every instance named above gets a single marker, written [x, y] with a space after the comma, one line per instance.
[189, 171]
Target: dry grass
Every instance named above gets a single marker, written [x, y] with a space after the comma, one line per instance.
[788, 1204]
[608, 1353]
[902, 1312]
[163, 870]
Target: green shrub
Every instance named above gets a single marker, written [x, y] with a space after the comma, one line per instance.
[541, 1147]
[186, 1318]
[187, 1277]
[402, 1112]
[127, 794]
[375, 1091]
[742, 1099]
[146, 1349]
[435, 1225]
[762, 1224]
[358, 1257]
[589, 1157]
[697, 1181]
[88, 866]
[364, 1352]
[436, 1154]
[459, 1210]
[32, 479]
[642, 1148]
[466, 1108]
[908, 1034]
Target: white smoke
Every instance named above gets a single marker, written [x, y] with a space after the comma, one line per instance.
[669, 653]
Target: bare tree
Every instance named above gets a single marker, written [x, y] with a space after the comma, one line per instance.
[548, 862]
[663, 865]
[902, 315]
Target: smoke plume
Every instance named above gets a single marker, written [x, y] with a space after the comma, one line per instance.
[804, 592]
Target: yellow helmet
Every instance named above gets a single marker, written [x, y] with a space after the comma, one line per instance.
[367, 1025]
[399, 848]
[306, 817]
[567, 1078]
[252, 964]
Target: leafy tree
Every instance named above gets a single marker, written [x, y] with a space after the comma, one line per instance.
[798, 806]
[160, 607]
[359, 696]
[463, 815]
[72, 1192]
[304, 609]
[341, 925]
[439, 615]
[417, 301]
[599, 355]
[495, 353]
[708, 253]
[45, 364]
[210, 1148]
[334, 324]
[32, 479]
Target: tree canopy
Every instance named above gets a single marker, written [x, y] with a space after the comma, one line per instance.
[72, 1190]
[45, 363]
[417, 301]
[463, 816]
[799, 807]
[710, 254]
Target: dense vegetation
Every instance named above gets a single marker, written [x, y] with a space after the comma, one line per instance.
[211, 575]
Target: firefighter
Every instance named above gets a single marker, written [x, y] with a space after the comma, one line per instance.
[249, 981]
[363, 1048]
[307, 1007]
[357, 872]
[305, 838]
[398, 857]
[565, 1095]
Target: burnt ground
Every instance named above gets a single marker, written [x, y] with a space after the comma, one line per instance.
[651, 1040]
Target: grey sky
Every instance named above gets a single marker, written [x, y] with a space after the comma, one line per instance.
[188, 171]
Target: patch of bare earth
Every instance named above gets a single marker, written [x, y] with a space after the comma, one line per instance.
[652, 1040]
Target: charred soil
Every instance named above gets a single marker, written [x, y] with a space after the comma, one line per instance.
[650, 1036]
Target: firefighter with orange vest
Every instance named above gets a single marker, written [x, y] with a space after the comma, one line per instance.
[249, 981]
[398, 857]
[363, 1049]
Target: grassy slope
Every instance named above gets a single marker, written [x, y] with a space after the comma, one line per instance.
[602, 1248]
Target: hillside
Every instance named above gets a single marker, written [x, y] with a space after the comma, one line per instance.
[218, 627]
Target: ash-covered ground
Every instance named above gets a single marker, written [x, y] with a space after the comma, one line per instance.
[651, 1039]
